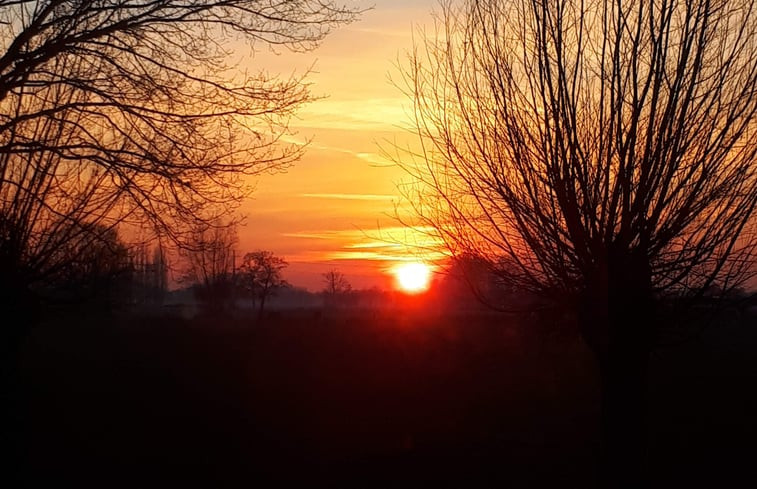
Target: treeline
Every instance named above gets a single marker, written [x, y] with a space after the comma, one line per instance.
[105, 271]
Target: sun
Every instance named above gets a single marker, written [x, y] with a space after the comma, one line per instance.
[412, 277]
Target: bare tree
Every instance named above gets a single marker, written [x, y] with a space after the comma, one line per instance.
[605, 151]
[336, 287]
[93, 269]
[210, 263]
[138, 113]
[335, 282]
[260, 274]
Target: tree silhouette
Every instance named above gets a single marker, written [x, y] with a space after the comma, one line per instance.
[260, 274]
[335, 282]
[148, 274]
[93, 267]
[210, 263]
[336, 287]
[605, 151]
[134, 113]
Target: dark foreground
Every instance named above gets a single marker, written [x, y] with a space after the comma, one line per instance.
[360, 402]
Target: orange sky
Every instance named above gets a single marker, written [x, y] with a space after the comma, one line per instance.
[332, 209]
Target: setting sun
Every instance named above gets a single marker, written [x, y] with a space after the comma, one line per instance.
[413, 277]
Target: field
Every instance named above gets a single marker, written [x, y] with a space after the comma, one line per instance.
[361, 400]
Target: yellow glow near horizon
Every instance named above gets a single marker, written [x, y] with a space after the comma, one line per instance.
[334, 208]
[413, 277]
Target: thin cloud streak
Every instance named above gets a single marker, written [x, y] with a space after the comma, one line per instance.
[375, 159]
[385, 257]
[341, 196]
[375, 245]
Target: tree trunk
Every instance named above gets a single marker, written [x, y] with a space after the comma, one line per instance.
[617, 318]
[623, 384]
[260, 309]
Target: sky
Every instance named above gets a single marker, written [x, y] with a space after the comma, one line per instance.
[335, 208]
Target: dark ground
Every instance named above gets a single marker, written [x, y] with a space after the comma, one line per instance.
[361, 402]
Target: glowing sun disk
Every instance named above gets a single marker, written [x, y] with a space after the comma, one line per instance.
[413, 277]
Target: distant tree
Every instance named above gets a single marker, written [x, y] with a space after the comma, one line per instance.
[335, 283]
[467, 281]
[138, 113]
[94, 264]
[605, 152]
[336, 288]
[149, 273]
[209, 264]
[260, 275]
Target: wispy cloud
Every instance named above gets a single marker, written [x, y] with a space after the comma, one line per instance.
[342, 196]
[375, 159]
[379, 114]
[385, 257]
[373, 245]
[324, 235]
[390, 245]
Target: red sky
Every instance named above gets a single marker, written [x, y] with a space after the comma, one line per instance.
[333, 208]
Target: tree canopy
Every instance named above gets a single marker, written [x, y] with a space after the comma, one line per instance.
[261, 275]
[562, 138]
